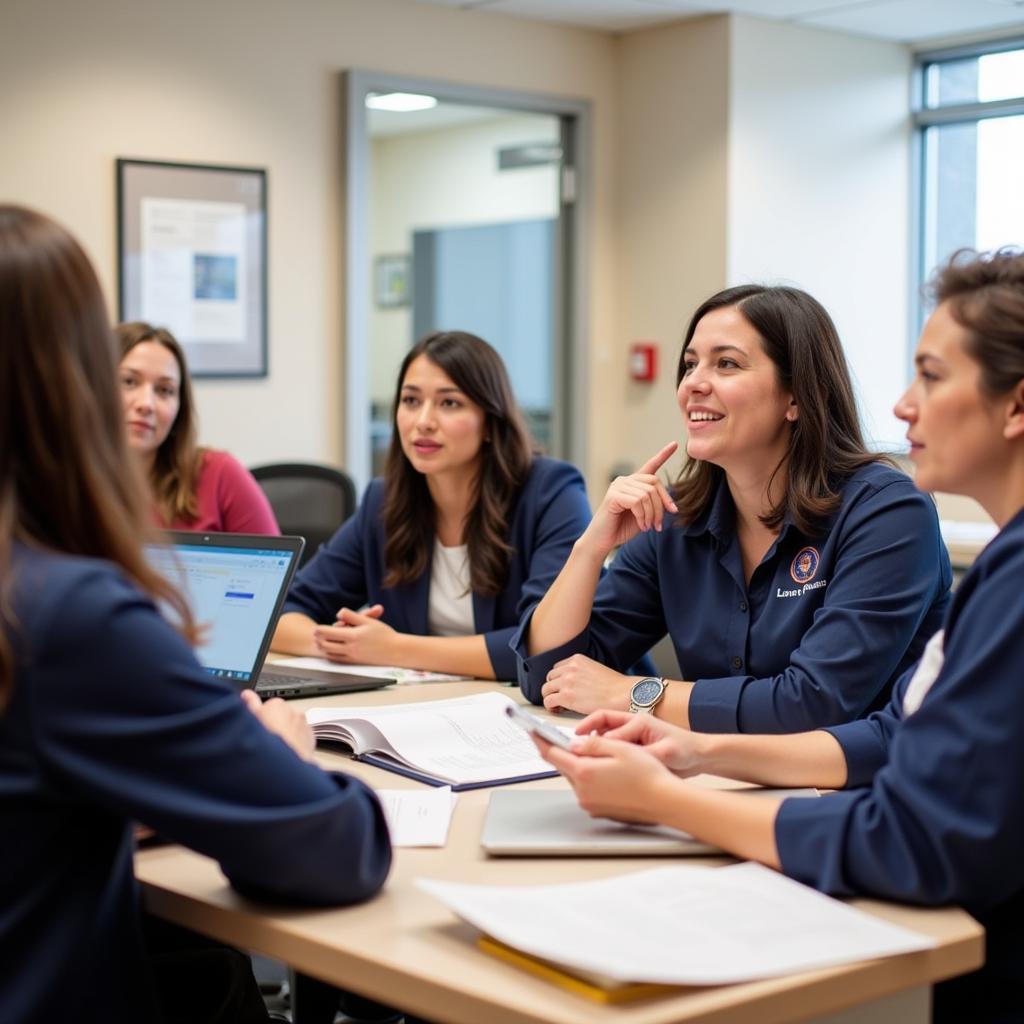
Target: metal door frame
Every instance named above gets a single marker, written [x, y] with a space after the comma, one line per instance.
[572, 262]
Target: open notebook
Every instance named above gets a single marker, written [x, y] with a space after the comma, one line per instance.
[464, 742]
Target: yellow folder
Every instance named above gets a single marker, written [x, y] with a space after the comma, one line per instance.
[591, 986]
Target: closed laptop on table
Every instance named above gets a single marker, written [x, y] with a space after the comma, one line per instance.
[235, 585]
[550, 823]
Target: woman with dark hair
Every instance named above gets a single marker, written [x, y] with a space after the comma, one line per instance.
[932, 803]
[106, 717]
[466, 530]
[193, 488]
[796, 573]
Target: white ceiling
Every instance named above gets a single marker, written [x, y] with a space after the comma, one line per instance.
[909, 21]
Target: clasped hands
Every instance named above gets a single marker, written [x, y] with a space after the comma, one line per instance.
[359, 638]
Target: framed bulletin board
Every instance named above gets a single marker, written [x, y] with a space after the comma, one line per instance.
[192, 257]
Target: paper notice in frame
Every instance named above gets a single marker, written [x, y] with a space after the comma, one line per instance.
[192, 257]
[193, 268]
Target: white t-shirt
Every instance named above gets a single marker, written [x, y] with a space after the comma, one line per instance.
[928, 669]
[450, 606]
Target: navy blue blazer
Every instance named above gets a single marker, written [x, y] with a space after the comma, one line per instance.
[826, 625]
[933, 812]
[550, 513]
[111, 720]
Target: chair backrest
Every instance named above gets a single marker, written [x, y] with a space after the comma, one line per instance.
[308, 499]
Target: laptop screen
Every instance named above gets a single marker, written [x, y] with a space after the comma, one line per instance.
[235, 586]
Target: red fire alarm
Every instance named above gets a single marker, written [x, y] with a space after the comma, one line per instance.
[643, 360]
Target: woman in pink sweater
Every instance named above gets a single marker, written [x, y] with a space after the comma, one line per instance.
[193, 488]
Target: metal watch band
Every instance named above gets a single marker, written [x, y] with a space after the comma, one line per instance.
[647, 708]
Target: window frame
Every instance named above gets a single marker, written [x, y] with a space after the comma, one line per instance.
[925, 117]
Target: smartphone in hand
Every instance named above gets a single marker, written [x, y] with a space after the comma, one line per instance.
[533, 724]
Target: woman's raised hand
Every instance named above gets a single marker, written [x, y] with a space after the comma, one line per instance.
[632, 505]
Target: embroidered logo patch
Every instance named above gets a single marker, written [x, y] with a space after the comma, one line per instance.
[805, 565]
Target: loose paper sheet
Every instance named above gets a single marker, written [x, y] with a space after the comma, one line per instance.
[679, 925]
[418, 817]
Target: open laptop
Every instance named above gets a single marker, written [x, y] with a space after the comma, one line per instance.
[235, 585]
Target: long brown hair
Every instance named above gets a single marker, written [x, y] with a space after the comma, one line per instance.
[985, 292]
[176, 465]
[409, 516]
[67, 481]
[825, 441]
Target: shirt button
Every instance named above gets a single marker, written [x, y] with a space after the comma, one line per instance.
[736, 662]
[743, 606]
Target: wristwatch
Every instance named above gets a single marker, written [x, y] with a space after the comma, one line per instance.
[645, 694]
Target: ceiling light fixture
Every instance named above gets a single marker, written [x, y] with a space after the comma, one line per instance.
[399, 101]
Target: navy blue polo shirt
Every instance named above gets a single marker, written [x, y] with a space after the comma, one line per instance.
[934, 812]
[826, 625]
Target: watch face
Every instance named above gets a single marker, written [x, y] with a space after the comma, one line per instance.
[646, 691]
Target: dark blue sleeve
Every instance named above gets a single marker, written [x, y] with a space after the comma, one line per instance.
[943, 821]
[556, 511]
[890, 571]
[865, 742]
[124, 716]
[338, 575]
[626, 619]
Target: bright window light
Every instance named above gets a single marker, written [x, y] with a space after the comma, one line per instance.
[400, 101]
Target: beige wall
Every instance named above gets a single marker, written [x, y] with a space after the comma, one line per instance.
[256, 82]
[711, 137]
[672, 113]
[819, 181]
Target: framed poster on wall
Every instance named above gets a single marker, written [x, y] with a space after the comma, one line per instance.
[192, 257]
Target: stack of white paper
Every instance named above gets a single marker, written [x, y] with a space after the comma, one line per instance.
[679, 925]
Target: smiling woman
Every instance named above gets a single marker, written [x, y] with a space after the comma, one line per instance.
[464, 533]
[796, 573]
[931, 808]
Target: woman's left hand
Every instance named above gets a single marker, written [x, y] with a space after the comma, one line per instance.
[581, 684]
[359, 638]
[611, 779]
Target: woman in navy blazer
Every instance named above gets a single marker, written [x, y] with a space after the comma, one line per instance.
[106, 717]
[932, 803]
[464, 533]
[796, 572]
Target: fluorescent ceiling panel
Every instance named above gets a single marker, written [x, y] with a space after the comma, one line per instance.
[915, 20]
[610, 15]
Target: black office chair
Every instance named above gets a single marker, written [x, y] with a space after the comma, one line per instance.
[308, 499]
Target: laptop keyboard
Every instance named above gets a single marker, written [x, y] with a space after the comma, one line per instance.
[278, 682]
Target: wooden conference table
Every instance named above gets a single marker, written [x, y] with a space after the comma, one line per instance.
[405, 948]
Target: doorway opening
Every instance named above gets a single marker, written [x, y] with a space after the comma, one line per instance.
[463, 213]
